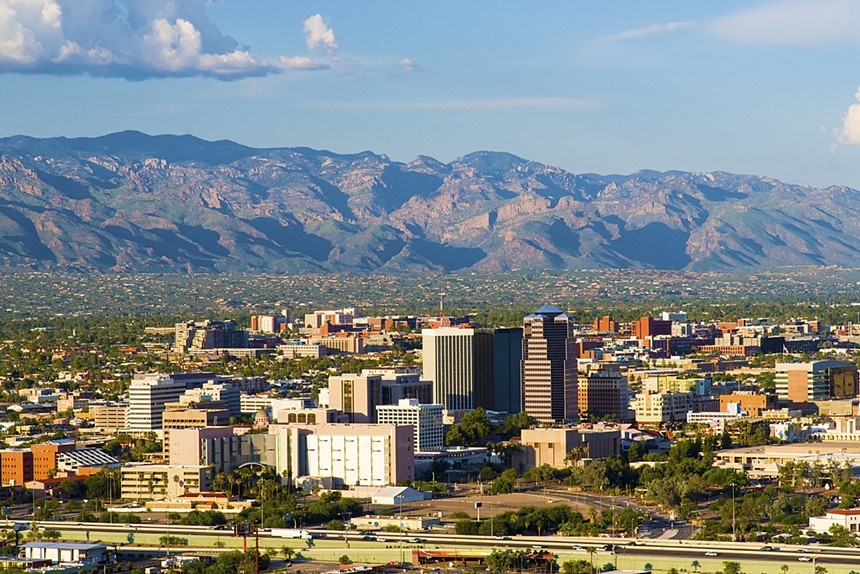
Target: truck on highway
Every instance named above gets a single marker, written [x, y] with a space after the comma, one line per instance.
[291, 533]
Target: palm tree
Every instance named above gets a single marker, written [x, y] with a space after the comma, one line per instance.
[695, 564]
[591, 552]
[784, 568]
[288, 552]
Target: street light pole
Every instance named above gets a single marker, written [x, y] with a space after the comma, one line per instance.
[734, 529]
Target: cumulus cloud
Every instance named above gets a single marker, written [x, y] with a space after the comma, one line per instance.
[141, 39]
[134, 40]
[794, 22]
[850, 131]
[318, 34]
[647, 31]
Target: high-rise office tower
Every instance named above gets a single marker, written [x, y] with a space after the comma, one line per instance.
[473, 368]
[459, 362]
[549, 375]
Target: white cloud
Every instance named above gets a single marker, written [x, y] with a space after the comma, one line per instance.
[319, 34]
[301, 63]
[850, 131]
[133, 40]
[647, 31]
[794, 22]
[407, 65]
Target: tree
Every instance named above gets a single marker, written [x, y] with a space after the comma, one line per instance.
[842, 536]
[731, 567]
[466, 526]
[288, 552]
[695, 564]
[504, 560]
[487, 474]
[506, 483]
[576, 567]
[172, 541]
[472, 430]
[344, 560]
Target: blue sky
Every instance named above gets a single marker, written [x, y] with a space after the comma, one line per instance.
[766, 87]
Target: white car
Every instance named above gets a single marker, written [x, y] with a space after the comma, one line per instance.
[712, 553]
[805, 559]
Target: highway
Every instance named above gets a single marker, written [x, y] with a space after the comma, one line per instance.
[646, 548]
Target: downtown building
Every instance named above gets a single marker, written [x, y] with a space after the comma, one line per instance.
[426, 420]
[148, 396]
[602, 392]
[549, 370]
[815, 381]
[473, 368]
[344, 455]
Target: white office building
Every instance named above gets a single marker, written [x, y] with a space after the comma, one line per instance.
[426, 420]
[251, 404]
[213, 391]
[147, 396]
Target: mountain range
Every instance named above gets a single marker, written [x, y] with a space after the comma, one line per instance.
[131, 202]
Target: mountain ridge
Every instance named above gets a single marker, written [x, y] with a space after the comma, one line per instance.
[129, 201]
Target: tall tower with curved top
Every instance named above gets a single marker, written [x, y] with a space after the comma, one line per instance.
[548, 372]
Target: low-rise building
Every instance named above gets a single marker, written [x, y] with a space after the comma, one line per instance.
[766, 460]
[560, 447]
[74, 461]
[846, 518]
[750, 402]
[16, 466]
[178, 416]
[661, 407]
[301, 350]
[157, 481]
[45, 456]
[84, 554]
[109, 417]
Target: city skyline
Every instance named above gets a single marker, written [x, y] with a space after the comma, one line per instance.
[760, 88]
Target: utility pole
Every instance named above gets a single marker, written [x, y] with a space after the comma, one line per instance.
[257, 551]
